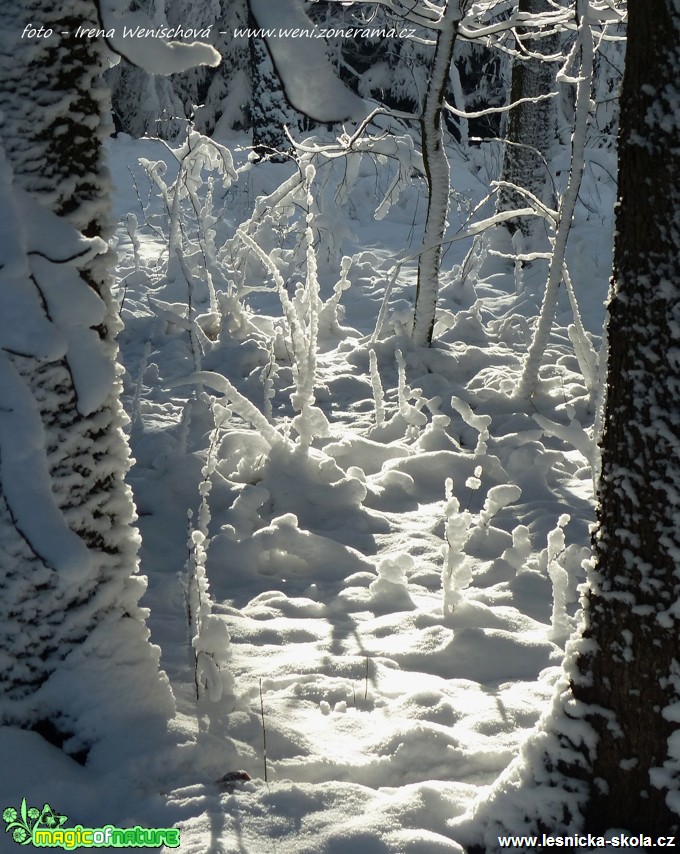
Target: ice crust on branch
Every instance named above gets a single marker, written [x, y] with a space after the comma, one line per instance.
[151, 53]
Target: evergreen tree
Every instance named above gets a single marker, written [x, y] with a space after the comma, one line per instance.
[77, 662]
[190, 87]
[227, 101]
[148, 104]
[269, 110]
[144, 104]
[378, 63]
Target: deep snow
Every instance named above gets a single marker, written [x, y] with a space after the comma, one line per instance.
[388, 707]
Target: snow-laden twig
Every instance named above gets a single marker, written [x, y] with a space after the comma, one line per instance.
[412, 415]
[571, 433]
[267, 378]
[209, 634]
[586, 354]
[289, 312]
[330, 313]
[584, 42]
[497, 498]
[480, 423]
[376, 385]
[384, 305]
[457, 568]
[560, 624]
[241, 405]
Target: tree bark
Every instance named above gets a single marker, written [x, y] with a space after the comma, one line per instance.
[437, 174]
[632, 604]
[606, 756]
[531, 124]
[75, 658]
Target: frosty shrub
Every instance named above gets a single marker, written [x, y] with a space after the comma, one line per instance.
[209, 634]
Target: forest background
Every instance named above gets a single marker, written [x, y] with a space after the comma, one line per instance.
[357, 289]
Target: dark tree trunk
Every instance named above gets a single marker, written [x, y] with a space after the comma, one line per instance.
[607, 754]
[531, 124]
[632, 612]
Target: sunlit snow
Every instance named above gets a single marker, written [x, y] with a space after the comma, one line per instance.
[398, 575]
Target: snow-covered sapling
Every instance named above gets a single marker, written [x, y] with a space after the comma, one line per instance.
[209, 634]
[437, 173]
[497, 498]
[330, 313]
[457, 569]
[136, 416]
[480, 423]
[378, 392]
[310, 421]
[132, 224]
[560, 624]
[586, 354]
[190, 205]
[414, 419]
[389, 592]
[517, 555]
[583, 81]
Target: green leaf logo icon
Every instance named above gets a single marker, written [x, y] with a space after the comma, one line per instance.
[50, 819]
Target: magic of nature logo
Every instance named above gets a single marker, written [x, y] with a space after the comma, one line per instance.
[44, 828]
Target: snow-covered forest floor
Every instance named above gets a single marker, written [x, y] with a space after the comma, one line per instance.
[394, 547]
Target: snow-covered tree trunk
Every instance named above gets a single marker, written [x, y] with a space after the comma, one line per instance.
[531, 124]
[76, 659]
[630, 668]
[437, 174]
